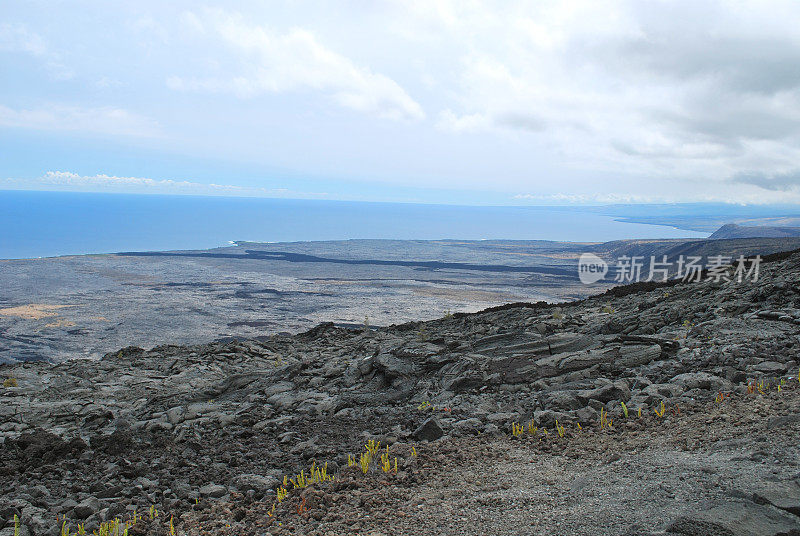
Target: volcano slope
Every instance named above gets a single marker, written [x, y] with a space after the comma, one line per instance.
[205, 434]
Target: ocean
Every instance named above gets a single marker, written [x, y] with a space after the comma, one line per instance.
[46, 224]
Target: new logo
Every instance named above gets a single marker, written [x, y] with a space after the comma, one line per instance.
[591, 268]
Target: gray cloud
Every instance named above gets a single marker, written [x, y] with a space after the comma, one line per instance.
[782, 182]
[522, 121]
[758, 65]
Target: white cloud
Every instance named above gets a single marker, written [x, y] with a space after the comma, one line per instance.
[277, 62]
[679, 89]
[736, 195]
[622, 98]
[18, 38]
[69, 181]
[105, 120]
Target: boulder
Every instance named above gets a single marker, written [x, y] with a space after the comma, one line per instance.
[737, 519]
[213, 490]
[86, 507]
[563, 400]
[260, 484]
[547, 418]
[607, 392]
[783, 495]
[701, 380]
[429, 430]
[635, 355]
[770, 367]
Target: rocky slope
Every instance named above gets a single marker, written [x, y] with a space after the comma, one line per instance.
[195, 430]
[732, 230]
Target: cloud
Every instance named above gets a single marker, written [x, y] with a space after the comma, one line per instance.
[678, 89]
[268, 61]
[590, 199]
[17, 37]
[104, 120]
[69, 181]
[671, 99]
[722, 195]
[781, 182]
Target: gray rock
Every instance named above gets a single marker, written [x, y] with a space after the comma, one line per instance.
[783, 420]
[770, 367]
[393, 366]
[502, 418]
[260, 484]
[701, 380]
[586, 415]
[213, 490]
[86, 508]
[547, 418]
[175, 415]
[635, 355]
[471, 425]
[785, 496]
[563, 400]
[429, 430]
[607, 392]
[663, 390]
[737, 519]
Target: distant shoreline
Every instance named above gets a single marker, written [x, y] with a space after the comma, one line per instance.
[55, 224]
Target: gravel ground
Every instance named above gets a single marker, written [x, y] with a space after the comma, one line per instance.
[637, 478]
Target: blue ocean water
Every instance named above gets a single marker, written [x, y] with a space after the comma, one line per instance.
[44, 224]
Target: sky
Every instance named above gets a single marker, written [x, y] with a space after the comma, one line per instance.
[434, 101]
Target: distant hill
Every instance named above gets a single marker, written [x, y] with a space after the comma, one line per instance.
[732, 230]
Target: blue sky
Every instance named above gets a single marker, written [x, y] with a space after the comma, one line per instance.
[446, 101]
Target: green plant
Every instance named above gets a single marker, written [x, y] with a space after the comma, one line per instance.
[532, 428]
[10, 382]
[560, 429]
[16, 525]
[422, 334]
[301, 480]
[425, 405]
[608, 309]
[365, 459]
[372, 447]
[624, 409]
[605, 422]
[281, 493]
[517, 430]
[660, 410]
[386, 465]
